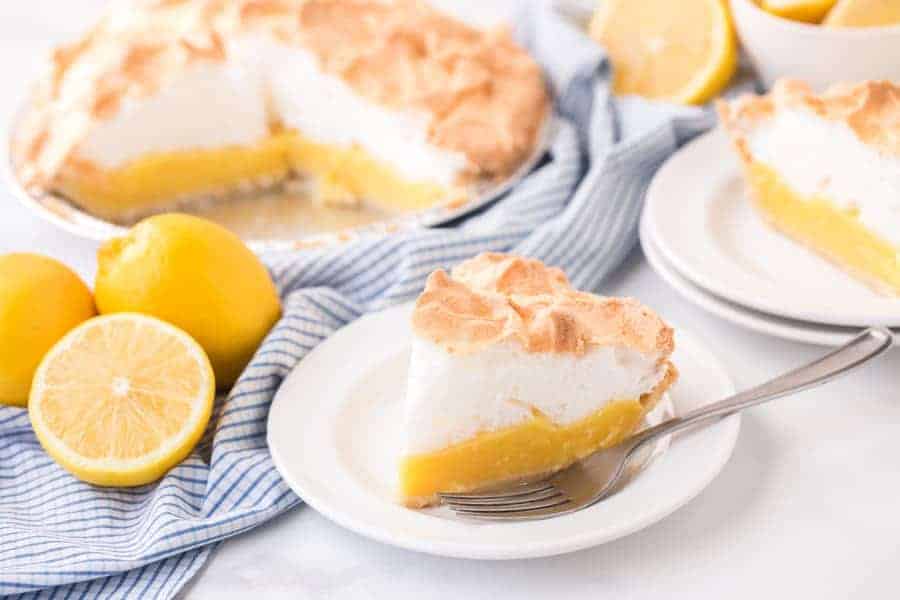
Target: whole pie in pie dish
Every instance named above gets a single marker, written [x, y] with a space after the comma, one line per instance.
[514, 374]
[168, 102]
[825, 171]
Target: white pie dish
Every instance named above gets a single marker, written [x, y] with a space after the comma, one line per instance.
[123, 105]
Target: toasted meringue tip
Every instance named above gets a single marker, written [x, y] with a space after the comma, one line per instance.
[871, 109]
[496, 298]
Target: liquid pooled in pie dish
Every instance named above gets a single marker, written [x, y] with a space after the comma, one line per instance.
[167, 102]
[514, 374]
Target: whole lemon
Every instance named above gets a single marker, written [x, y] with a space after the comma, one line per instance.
[197, 276]
[41, 299]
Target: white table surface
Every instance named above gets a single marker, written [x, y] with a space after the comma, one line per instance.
[806, 508]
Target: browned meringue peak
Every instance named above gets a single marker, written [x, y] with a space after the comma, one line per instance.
[134, 51]
[495, 298]
[486, 94]
[870, 108]
[508, 274]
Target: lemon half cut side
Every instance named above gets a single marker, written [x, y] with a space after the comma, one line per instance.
[681, 51]
[121, 399]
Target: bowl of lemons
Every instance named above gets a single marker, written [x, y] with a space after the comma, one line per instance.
[820, 41]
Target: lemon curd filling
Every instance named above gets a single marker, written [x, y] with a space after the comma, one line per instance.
[535, 447]
[351, 172]
[158, 181]
[831, 231]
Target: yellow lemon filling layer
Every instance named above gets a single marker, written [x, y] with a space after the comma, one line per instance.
[527, 450]
[352, 173]
[832, 232]
[158, 181]
[344, 174]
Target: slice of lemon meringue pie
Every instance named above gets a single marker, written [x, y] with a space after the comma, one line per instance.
[514, 374]
[825, 171]
[167, 102]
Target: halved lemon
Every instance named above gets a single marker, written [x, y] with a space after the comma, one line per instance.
[809, 11]
[121, 399]
[682, 51]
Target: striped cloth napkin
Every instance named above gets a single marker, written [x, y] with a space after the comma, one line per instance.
[578, 210]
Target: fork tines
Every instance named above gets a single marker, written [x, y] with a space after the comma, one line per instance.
[523, 502]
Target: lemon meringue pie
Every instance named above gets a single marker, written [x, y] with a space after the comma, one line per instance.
[514, 374]
[167, 102]
[825, 171]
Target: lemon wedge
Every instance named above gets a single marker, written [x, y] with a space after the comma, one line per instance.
[808, 11]
[681, 51]
[121, 399]
[863, 13]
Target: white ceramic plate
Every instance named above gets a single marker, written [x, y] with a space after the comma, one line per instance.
[334, 434]
[703, 225]
[798, 331]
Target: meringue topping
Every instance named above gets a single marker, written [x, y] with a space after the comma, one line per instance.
[871, 109]
[485, 95]
[496, 297]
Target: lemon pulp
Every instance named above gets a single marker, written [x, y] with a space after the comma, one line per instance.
[677, 51]
[121, 399]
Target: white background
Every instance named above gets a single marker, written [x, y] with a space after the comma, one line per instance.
[807, 507]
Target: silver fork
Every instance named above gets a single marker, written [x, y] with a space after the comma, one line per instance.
[597, 476]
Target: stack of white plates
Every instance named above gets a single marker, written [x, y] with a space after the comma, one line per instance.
[702, 236]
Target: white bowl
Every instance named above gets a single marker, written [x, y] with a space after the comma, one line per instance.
[818, 55]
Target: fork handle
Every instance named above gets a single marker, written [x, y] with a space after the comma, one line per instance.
[858, 351]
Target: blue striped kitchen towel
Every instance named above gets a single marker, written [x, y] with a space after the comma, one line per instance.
[578, 210]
